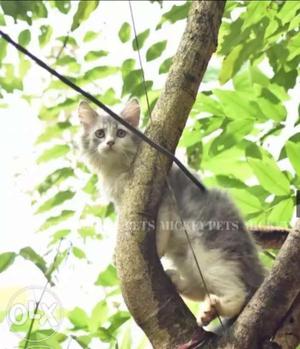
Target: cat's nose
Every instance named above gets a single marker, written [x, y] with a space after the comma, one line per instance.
[110, 143]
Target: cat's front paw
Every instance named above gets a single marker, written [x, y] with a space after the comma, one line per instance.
[209, 309]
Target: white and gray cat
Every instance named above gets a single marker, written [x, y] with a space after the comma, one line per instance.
[223, 247]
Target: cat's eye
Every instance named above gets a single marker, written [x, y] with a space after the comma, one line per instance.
[100, 133]
[121, 133]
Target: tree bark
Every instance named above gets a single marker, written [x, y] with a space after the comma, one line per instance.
[148, 293]
[288, 335]
[264, 313]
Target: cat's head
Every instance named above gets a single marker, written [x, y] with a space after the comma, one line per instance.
[104, 140]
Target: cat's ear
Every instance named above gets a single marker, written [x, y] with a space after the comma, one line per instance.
[132, 111]
[87, 115]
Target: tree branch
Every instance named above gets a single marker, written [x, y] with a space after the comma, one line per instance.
[148, 293]
[288, 335]
[262, 316]
[269, 237]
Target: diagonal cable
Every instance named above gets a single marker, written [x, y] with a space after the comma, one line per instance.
[101, 105]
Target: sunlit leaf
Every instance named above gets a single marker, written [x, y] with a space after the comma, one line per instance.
[52, 132]
[24, 37]
[53, 153]
[55, 178]
[56, 200]
[60, 234]
[176, 13]
[29, 254]
[246, 202]
[125, 32]
[165, 66]
[118, 320]
[45, 36]
[94, 55]
[78, 318]
[270, 176]
[77, 252]
[54, 220]
[6, 260]
[100, 72]
[282, 212]
[99, 316]
[108, 277]
[90, 36]
[84, 10]
[155, 50]
[293, 153]
[90, 187]
[141, 38]
[63, 5]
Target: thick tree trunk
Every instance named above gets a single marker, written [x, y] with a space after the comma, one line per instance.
[148, 293]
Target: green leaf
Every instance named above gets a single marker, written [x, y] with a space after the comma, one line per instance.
[90, 36]
[165, 66]
[53, 131]
[270, 176]
[141, 38]
[9, 81]
[177, 12]
[84, 10]
[230, 65]
[100, 72]
[276, 112]
[2, 20]
[24, 9]
[236, 104]
[24, 37]
[108, 277]
[99, 316]
[56, 200]
[6, 260]
[247, 202]
[53, 153]
[3, 50]
[90, 187]
[293, 153]
[88, 232]
[118, 320]
[281, 214]
[94, 55]
[64, 6]
[54, 220]
[156, 50]
[45, 36]
[83, 341]
[109, 97]
[60, 234]
[79, 318]
[29, 254]
[77, 252]
[125, 32]
[233, 133]
[55, 178]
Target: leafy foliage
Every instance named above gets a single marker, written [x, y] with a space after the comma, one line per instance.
[242, 134]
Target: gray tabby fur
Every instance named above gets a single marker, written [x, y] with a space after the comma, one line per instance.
[224, 249]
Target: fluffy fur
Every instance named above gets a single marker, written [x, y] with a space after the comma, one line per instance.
[224, 249]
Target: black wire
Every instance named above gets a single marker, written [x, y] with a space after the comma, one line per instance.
[87, 95]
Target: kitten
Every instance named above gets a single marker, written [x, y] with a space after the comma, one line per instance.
[225, 251]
